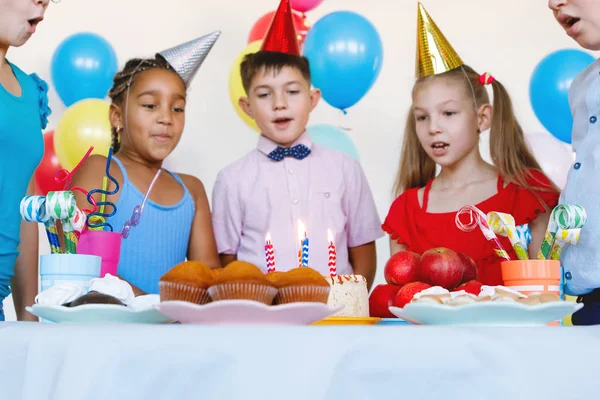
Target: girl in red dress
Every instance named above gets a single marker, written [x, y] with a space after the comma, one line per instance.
[450, 109]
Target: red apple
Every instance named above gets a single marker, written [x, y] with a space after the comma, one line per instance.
[472, 287]
[408, 291]
[402, 268]
[441, 267]
[469, 267]
[381, 299]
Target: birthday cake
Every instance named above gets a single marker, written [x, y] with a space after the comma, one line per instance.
[351, 292]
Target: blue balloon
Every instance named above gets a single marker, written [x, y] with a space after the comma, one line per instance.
[333, 138]
[345, 54]
[83, 66]
[549, 90]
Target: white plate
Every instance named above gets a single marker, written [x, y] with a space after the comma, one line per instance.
[245, 312]
[488, 313]
[97, 314]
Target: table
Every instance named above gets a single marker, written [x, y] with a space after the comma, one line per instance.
[62, 361]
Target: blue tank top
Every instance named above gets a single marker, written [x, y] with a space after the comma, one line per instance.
[159, 241]
[22, 119]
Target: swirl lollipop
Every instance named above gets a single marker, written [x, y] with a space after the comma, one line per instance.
[563, 217]
[504, 224]
[478, 218]
[33, 209]
[61, 206]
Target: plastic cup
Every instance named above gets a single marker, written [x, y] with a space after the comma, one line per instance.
[73, 268]
[529, 276]
[105, 244]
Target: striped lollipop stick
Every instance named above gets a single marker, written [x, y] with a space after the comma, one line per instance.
[563, 217]
[61, 206]
[504, 224]
[563, 239]
[478, 218]
[33, 209]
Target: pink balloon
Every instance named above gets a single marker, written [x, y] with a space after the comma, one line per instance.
[305, 5]
[554, 156]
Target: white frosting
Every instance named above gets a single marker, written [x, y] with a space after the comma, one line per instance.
[113, 286]
[491, 291]
[461, 293]
[60, 294]
[144, 302]
[351, 292]
[461, 299]
[432, 291]
[427, 300]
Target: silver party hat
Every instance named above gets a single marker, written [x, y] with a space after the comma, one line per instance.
[187, 58]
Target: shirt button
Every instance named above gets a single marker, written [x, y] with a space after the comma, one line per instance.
[327, 195]
[593, 119]
[295, 201]
[568, 276]
[577, 165]
[291, 171]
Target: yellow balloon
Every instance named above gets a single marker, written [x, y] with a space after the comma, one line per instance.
[236, 89]
[83, 124]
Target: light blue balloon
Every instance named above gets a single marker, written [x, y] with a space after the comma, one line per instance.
[333, 138]
[549, 90]
[345, 54]
[83, 66]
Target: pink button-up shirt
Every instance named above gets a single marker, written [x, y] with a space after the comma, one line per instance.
[325, 190]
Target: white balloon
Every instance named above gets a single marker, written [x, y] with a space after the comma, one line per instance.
[554, 156]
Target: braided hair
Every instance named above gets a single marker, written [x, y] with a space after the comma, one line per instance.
[123, 81]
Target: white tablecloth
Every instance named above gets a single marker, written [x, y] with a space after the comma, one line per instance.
[64, 362]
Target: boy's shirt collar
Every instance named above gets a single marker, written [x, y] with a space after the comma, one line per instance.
[266, 145]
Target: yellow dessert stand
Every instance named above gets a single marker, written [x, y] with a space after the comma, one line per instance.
[348, 321]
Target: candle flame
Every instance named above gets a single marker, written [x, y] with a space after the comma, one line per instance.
[329, 236]
[268, 237]
[301, 231]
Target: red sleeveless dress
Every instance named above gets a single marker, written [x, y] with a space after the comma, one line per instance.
[410, 224]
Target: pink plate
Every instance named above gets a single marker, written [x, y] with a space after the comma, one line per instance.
[245, 312]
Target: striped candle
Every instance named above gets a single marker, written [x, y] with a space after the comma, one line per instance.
[269, 254]
[303, 251]
[332, 255]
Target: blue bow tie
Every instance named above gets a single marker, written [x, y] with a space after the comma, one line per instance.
[298, 152]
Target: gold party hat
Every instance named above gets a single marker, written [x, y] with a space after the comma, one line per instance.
[435, 55]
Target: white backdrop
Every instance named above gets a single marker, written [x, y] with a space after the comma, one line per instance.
[500, 37]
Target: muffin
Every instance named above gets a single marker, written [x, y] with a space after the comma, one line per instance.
[188, 281]
[301, 285]
[242, 281]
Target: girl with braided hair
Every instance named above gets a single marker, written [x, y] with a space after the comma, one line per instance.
[147, 116]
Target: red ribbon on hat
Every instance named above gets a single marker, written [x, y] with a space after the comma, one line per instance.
[486, 78]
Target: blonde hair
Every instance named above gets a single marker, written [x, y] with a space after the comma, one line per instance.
[508, 149]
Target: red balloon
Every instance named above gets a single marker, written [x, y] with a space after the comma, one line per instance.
[49, 166]
[260, 28]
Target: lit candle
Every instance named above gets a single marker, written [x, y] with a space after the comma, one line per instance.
[303, 251]
[332, 255]
[269, 254]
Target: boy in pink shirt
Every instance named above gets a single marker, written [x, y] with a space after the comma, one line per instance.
[288, 178]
